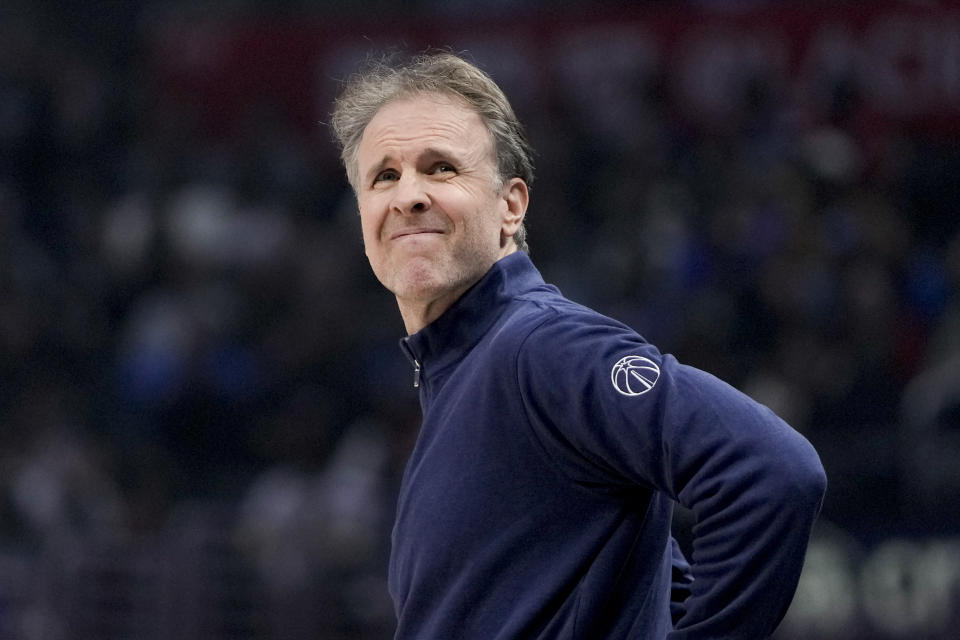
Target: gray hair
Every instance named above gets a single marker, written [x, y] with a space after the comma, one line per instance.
[444, 73]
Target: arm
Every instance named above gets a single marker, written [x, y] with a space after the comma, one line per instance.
[754, 484]
[755, 487]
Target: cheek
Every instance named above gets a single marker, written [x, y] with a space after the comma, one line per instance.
[469, 207]
[369, 224]
[370, 246]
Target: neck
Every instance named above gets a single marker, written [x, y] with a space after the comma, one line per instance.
[421, 311]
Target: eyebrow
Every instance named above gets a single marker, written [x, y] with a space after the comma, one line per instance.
[433, 153]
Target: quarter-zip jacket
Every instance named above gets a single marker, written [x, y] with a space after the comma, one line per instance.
[537, 502]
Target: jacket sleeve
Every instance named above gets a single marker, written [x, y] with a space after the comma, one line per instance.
[636, 417]
[680, 580]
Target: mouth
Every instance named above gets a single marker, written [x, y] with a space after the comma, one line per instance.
[403, 233]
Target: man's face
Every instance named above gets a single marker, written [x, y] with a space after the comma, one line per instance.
[433, 217]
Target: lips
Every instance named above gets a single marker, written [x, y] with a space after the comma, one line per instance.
[413, 232]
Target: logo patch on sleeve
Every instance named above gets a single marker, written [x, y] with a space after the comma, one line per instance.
[634, 375]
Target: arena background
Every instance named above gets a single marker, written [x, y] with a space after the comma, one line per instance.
[203, 409]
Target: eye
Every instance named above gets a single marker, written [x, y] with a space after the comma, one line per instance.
[443, 167]
[387, 175]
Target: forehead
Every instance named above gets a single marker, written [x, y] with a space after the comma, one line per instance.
[424, 120]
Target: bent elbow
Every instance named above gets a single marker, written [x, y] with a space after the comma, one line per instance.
[805, 481]
[814, 484]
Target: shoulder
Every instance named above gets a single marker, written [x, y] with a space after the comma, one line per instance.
[574, 350]
[566, 328]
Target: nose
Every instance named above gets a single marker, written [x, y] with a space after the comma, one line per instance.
[410, 195]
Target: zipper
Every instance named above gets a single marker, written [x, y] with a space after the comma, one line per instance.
[413, 359]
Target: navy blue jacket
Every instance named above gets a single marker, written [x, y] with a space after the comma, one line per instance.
[537, 502]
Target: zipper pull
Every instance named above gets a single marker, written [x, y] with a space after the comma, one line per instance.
[413, 359]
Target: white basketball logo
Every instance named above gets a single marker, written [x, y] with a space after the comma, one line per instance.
[634, 375]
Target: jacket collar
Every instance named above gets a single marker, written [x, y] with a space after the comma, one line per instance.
[448, 338]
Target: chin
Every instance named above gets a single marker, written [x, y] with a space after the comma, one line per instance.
[422, 288]
[418, 280]
[428, 278]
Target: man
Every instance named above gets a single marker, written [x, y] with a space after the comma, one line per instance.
[537, 502]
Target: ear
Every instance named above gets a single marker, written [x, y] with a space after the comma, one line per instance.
[515, 199]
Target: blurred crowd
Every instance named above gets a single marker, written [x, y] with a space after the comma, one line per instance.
[195, 359]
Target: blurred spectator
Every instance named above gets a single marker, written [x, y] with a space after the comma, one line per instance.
[187, 317]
